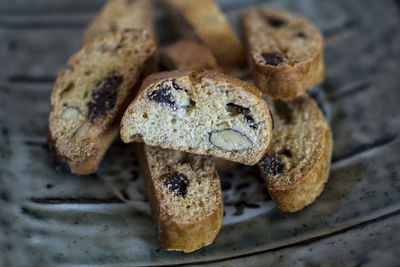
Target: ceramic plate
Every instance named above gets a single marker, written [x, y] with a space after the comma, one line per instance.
[104, 219]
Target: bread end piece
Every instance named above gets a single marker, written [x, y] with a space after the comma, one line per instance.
[296, 165]
[189, 222]
[284, 50]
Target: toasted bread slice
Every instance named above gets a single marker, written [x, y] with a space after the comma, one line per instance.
[203, 20]
[121, 14]
[187, 54]
[88, 100]
[296, 166]
[285, 51]
[184, 192]
[202, 112]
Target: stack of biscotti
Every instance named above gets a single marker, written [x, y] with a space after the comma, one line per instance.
[185, 118]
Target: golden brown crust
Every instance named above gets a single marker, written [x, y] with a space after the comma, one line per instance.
[91, 164]
[88, 100]
[121, 14]
[296, 166]
[187, 54]
[286, 55]
[175, 232]
[204, 20]
[246, 92]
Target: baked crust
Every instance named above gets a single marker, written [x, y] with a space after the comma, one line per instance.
[159, 124]
[88, 100]
[284, 50]
[203, 20]
[187, 54]
[178, 230]
[121, 14]
[296, 166]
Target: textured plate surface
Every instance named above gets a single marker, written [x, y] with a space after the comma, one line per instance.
[104, 219]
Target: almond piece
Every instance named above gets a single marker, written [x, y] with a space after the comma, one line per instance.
[230, 139]
[71, 114]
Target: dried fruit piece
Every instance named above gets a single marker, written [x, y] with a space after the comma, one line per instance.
[272, 58]
[271, 164]
[171, 94]
[177, 183]
[229, 139]
[250, 121]
[286, 152]
[104, 96]
[237, 109]
[162, 95]
[283, 111]
[275, 22]
[300, 35]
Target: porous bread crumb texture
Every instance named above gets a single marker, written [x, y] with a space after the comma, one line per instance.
[187, 54]
[185, 195]
[204, 20]
[284, 50]
[121, 14]
[89, 98]
[201, 112]
[296, 165]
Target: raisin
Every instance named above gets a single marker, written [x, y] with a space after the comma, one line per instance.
[286, 152]
[176, 86]
[177, 183]
[104, 96]
[300, 35]
[272, 119]
[163, 95]
[275, 22]
[249, 119]
[272, 58]
[283, 111]
[237, 109]
[271, 165]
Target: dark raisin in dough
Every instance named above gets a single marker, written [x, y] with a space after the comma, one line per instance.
[283, 111]
[250, 121]
[104, 96]
[300, 35]
[176, 86]
[275, 22]
[273, 59]
[177, 183]
[286, 152]
[271, 164]
[237, 109]
[163, 95]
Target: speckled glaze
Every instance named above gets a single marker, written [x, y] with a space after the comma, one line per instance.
[50, 219]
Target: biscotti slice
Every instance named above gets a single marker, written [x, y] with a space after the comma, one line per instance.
[296, 166]
[202, 112]
[203, 20]
[184, 192]
[187, 54]
[285, 52]
[121, 14]
[88, 100]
